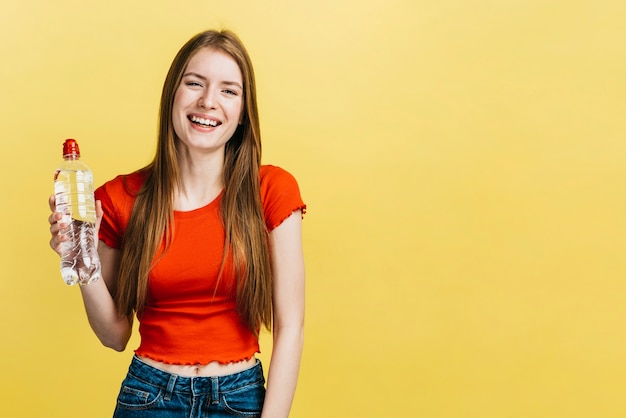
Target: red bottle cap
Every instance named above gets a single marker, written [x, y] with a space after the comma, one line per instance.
[70, 147]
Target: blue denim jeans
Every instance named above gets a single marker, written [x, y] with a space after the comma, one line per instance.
[148, 392]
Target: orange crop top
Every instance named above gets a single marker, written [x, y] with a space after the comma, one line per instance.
[187, 320]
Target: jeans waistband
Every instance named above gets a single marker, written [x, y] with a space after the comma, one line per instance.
[196, 385]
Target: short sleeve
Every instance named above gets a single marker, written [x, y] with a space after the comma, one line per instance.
[280, 195]
[117, 197]
[109, 232]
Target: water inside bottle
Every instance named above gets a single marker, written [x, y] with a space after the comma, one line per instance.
[80, 262]
[74, 198]
[74, 194]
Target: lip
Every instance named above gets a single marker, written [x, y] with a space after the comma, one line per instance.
[206, 117]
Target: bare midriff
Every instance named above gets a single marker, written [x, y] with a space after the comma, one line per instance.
[207, 370]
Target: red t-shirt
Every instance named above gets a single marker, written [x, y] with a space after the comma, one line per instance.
[189, 318]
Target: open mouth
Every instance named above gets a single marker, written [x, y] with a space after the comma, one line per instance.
[207, 123]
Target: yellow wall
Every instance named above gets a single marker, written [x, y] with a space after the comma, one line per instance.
[464, 166]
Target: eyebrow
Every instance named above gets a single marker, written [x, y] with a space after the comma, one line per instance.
[228, 83]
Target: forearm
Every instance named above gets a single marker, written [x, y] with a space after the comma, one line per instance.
[283, 372]
[288, 299]
[111, 329]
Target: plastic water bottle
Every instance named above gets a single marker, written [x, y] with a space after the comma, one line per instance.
[73, 188]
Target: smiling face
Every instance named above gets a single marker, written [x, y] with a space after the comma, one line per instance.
[208, 103]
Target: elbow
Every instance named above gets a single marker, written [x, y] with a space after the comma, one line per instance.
[293, 333]
[118, 346]
[115, 342]
[115, 337]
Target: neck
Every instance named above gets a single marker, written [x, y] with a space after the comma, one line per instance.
[201, 181]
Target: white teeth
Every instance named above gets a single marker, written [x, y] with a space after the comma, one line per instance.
[202, 121]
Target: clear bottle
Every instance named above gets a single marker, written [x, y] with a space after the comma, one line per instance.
[73, 188]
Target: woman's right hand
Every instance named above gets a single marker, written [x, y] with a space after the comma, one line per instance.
[56, 227]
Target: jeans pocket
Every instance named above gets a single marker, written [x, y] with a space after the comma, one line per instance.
[245, 402]
[138, 395]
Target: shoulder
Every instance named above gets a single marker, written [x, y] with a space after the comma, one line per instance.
[119, 193]
[117, 197]
[271, 174]
[276, 181]
[123, 185]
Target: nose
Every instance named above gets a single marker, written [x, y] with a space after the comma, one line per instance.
[207, 99]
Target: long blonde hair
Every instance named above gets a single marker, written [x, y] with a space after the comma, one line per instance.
[241, 208]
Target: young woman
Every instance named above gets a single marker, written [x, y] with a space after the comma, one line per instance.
[204, 246]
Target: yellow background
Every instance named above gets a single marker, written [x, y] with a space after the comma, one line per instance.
[464, 167]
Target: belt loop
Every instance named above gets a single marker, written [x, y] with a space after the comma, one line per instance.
[170, 387]
[215, 397]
